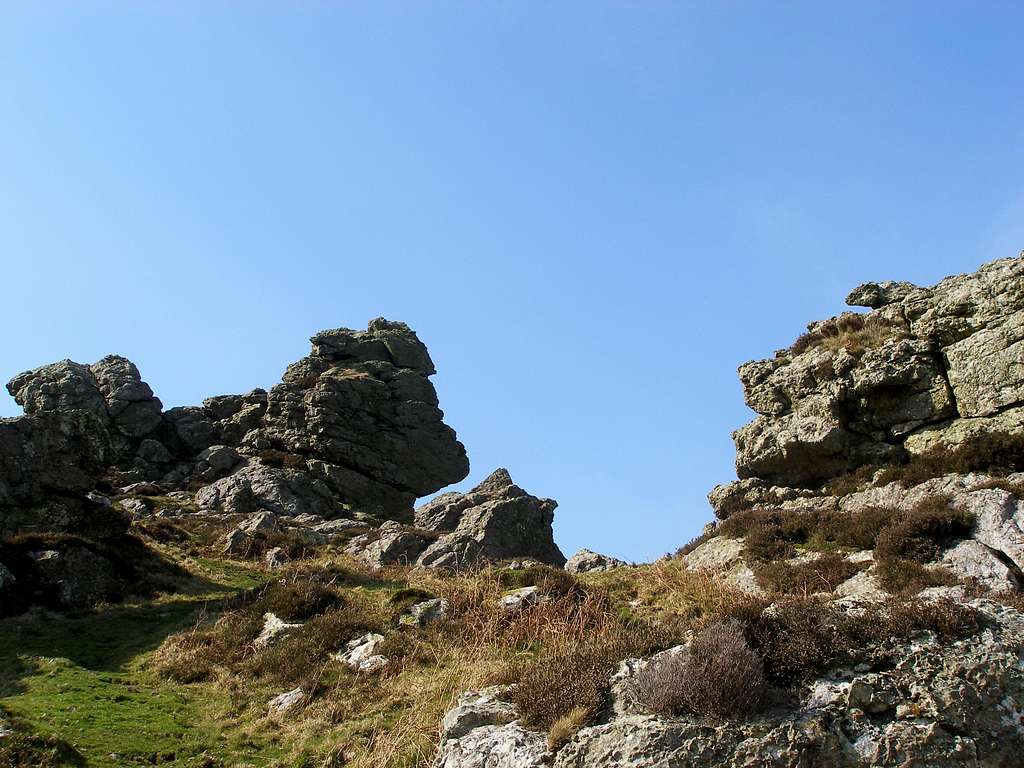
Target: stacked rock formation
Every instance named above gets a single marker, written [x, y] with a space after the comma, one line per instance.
[356, 423]
[355, 426]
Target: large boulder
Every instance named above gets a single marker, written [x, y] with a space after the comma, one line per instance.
[496, 520]
[361, 404]
[925, 368]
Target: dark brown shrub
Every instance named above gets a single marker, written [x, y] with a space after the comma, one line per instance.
[572, 675]
[856, 530]
[719, 676]
[997, 453]
[907, 577]
[946, 618]
[822, 574]
[295, 600]
[923, 533]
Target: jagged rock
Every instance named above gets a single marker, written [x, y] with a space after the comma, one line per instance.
[256, 487]
[999, 523]
[877, 295]
[135, 507]
[340, 525]
[971, 559]
[274, 629]
[285, 701]
[475, 709]
[361, 654]
[391, 543]
[427, 612]
[53, 453]
[236, 542]
[234, 416]
[131, 405]
[216, 462]
[82, 577]
[496, 520]
[586, 561]
[111, 389]
[495, 746]
[264, 522]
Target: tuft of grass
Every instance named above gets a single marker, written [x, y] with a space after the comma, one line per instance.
[856, 333]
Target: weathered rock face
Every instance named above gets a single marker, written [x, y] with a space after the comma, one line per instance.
[358, 419]
[859, 389]
[363, 406]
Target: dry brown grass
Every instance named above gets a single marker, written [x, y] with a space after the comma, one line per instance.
[853, 332]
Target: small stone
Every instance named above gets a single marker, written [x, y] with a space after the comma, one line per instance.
[285, 701]
[275, 558]
[520, 599]
[273, 630]
[427, 612]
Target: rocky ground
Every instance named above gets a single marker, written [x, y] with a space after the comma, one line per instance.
[248, 582]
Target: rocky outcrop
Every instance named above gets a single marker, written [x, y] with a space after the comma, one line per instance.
[927, 702]
[496, 520]
[860, 389]
[355, 424]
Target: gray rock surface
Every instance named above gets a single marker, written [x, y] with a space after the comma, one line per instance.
[496, 520]
[475, 709]
[427, 612]
[586, 561]
[924, 358]
[256, 487]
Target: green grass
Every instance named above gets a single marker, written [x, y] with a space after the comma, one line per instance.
[84, 680]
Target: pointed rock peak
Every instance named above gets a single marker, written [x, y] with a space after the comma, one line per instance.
[498, 480]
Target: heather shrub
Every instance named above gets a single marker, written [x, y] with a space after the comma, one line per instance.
[718, 676]
[852, 530]
[923, 533]
[997, 453]
[823, 574]
[907, 577]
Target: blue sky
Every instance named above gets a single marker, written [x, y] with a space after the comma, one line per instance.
[591, 212]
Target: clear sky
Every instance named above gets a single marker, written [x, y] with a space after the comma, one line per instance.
[591, 212]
